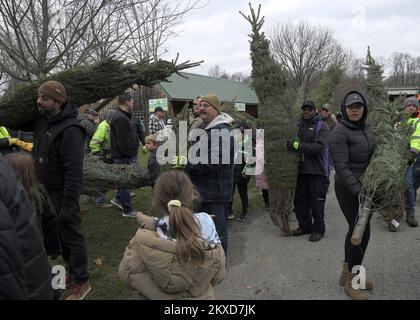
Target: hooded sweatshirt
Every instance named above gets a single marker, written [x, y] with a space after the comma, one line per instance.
[352, 145]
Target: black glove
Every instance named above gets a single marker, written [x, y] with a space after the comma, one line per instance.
[4, 142]
[65, 216]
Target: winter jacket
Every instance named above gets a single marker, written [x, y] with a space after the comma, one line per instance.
[58, 155]
[155, 125]
[150, 266]
[101, 140]
[415, 136]
[313, 152]
[5, 146]
[194, 121]
[141, 130]
[214, 181]
[351, 146]
[124, 140]
[153, 168]
[24, 269]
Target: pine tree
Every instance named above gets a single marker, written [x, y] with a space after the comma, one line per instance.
[326, 87]
[276, 118]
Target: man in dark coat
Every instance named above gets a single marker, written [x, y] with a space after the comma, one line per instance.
[312, 146]
[24, 269]
[124, 148]
[58, 156]
[88, 120]
[213, 176]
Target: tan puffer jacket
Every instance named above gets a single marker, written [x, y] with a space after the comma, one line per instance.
[151, 268]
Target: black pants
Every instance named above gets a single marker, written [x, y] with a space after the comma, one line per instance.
[309, 202]
[220, 210]
[266, 196]
[349, 205]
[243, 194]
[73, 242]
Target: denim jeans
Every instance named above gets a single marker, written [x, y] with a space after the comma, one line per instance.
[413, 183]
[220, 210]
[123, 193]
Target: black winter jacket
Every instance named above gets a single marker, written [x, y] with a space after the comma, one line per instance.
[24, 269]
[58, 155]
[313, 136]
[351, 146]
[124, 139]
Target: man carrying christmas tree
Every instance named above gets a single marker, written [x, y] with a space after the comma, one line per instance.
[310, 193]
[411, 105]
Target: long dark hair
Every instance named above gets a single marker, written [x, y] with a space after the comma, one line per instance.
[175, 185]
[24, 167]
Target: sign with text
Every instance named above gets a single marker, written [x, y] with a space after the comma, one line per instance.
[240, 106]
[154, 103]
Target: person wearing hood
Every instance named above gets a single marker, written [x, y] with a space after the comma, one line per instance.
[352, 143]
[58, 155]
[212, 173]
[312, 148]
[411, 105]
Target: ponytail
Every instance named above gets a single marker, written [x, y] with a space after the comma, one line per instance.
[187, 233]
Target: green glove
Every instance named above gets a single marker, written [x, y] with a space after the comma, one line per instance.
[178, 162]
[144, 150]
[293, 144]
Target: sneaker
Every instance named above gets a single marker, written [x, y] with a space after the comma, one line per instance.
[131, 214]
[267, 206]
[117, 204]
[231, 216]
[242, 217]
[79, 291]
[411, 221]
[299, 231]
[104, 205]
[132, 194]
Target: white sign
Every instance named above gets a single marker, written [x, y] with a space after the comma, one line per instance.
[154, 103]
[240, 106]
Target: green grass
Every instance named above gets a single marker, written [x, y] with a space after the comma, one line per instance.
[107, 235]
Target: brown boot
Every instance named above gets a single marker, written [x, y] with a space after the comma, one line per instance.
[354, 294]
[345, 273]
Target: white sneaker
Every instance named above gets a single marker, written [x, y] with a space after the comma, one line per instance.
[132, 214]
[117, 204]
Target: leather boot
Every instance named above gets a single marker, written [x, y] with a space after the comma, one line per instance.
[354, 294]
[345, 274]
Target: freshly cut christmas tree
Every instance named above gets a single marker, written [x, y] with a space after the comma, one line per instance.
[277, 119]
[87, 84]
[384, 179]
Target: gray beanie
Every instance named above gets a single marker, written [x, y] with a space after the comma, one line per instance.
[411, 101]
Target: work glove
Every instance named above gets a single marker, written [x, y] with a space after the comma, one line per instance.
[293, 144]
[144, 150]
[26, 146]
[178, 162]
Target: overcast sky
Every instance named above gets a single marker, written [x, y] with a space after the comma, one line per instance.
[218, 34]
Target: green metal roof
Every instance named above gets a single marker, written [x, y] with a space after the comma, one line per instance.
[180, 88]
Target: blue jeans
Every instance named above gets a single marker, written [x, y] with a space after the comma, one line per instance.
[220, 210]
[413, 182]
[123, 193]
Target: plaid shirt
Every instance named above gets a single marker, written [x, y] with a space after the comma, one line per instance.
[155, 125]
